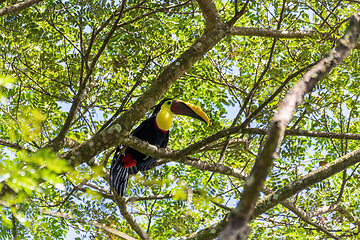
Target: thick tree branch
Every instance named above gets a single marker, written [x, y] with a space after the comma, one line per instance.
[237, 227]
[210, 13]
[18, 7]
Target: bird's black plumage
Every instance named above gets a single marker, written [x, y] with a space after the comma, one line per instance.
[154, 130]
[147, 131]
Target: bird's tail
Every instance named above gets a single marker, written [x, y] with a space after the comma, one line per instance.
[118, 175]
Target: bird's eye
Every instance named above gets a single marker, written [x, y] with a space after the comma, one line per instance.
[168, 102]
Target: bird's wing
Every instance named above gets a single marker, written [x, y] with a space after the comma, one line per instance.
[150, 161]
[165, 143]
[146, 165]
[142, 125]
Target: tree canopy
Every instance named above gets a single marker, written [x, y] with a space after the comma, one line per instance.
[76, 77]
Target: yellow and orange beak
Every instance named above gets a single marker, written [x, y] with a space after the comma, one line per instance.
[188, 109]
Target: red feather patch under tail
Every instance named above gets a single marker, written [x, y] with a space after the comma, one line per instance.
[128, 161]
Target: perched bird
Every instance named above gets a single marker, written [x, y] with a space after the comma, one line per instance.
[154, 130]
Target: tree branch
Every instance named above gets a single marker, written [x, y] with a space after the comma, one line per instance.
[348, 215]
[213, 167]
[14, 227]
[149, 197]
[322, 210]
[310, 179]
[259, 32]
[237, 227]
[238, 13]
[287, 34]
[124, 212]
[210, 13]
[18, 7]
[280, 195]
[13, 145]
[306, 217]
[305, 133]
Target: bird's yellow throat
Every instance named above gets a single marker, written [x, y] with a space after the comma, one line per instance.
[164, 118]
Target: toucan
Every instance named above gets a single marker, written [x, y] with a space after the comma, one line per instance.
[154, 130]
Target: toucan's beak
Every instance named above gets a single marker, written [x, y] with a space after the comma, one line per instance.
[188, 109]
